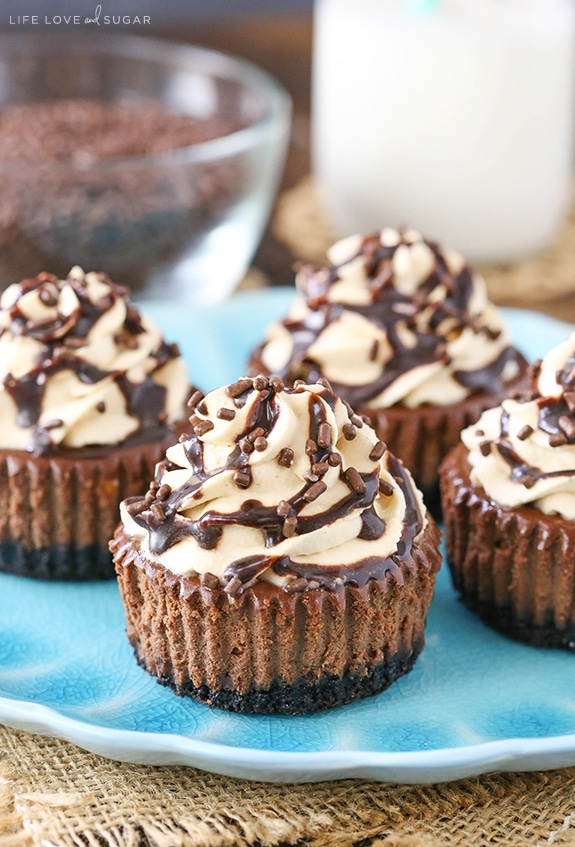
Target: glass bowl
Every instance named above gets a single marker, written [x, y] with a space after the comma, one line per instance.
[183, 223]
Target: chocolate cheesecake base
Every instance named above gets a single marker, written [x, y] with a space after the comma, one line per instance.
[266, 650]
[58, 512]
[514, 567]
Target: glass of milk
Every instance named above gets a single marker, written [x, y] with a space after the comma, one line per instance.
[454, 117]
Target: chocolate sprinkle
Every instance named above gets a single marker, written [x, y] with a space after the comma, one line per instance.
[310, 476]
[310, 447]
[163, 492]
[289, 526]
[349, 431]
[385, 487]
[256, 433]
[283, 508]
[234, 586]
[567, 425]
[136, 507]
[355, 479]
[558, 439]
[239, 387]
[297, 585]
[378, 450]
[158, 511]
[209, 580]
[324, 435]
[48, 295]
[286, 457]
[202, 427]
[242, 479]
[314, 491]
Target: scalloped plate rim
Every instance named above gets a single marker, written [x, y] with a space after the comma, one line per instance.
[416, 767]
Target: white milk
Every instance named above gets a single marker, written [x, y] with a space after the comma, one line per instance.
[458, 122]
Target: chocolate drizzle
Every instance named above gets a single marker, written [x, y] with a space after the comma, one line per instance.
[62, 337]
[489, 377]
[522, 471]
[388, 310]
[288, 516]
[555, 417]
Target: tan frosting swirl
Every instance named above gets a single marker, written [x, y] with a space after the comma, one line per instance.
[79, 366]
[523, 452]
[393, 319]
[280, 485]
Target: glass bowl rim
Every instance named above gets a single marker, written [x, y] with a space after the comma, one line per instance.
[275, 119]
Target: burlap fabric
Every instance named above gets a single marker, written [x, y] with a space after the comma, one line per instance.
[302, 223]
[51, 793]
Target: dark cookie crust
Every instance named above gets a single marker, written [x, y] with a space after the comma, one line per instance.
[504, 621]
[303, 696]
[64, 562]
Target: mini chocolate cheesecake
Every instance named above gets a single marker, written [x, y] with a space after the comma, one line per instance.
[403, 330]
[282, 560]
[508, 496]
[90, 397]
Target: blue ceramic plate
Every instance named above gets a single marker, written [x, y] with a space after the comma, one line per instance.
[475, 701]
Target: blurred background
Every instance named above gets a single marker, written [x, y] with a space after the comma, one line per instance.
[168, 12]
[274, 34]
[278, 36]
